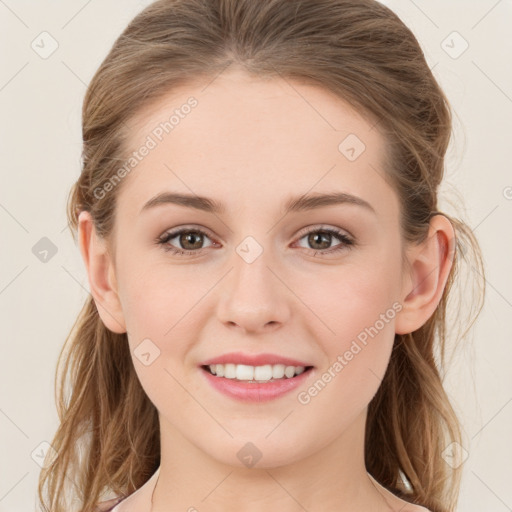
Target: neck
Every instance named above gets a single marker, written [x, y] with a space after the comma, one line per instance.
[333, 477]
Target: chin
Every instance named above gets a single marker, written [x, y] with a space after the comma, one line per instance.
[259, 452]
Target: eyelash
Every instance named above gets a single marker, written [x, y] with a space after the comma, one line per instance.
[347, 242]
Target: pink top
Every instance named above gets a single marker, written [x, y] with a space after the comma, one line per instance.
[107, 506]
[111, 505]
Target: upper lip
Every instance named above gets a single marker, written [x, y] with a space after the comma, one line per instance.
[254, 360]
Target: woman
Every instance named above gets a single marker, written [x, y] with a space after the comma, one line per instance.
[269, 273]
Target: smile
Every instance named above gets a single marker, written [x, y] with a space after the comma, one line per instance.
[255, 374]
[256, 383]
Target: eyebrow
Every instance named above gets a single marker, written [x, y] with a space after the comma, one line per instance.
[294, 204]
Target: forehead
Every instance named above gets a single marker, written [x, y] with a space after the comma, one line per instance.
[243, 139]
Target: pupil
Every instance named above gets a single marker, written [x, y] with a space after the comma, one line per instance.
[314, 236]
[188, 236]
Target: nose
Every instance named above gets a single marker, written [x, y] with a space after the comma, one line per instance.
[253, 297]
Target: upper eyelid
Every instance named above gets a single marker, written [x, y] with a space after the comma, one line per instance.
[322, 227]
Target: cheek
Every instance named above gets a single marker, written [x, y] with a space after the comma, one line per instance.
[348, 299]
[357, 356]
[357, 307]
[162, 304]
[155, 297]
[158, 305]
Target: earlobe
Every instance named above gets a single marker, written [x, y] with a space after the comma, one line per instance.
[100, 271]
[429, 267]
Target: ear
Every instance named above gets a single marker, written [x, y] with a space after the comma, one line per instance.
[425, 279]
[100, 270]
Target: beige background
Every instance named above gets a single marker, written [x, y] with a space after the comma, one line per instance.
[40, 104]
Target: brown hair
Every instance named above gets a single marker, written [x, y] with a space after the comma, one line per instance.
[361, 51]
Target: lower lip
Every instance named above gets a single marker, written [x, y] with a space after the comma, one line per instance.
[255, 392]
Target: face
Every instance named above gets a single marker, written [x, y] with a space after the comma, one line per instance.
[319, 285]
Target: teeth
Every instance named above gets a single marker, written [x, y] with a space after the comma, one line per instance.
[255, 373]
[230, 371]
[289, 371]
[278, 371]
[218, 369]
[244, 372]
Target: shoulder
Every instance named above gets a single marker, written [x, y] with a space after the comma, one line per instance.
[107, 506]
[406, 506]
[414, 508]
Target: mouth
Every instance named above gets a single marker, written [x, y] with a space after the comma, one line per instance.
[256, 374]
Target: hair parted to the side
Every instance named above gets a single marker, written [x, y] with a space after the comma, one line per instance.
[359, 50]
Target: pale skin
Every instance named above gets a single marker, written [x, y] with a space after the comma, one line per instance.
[251, 145]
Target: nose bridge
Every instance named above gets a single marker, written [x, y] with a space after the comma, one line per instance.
[252, 296]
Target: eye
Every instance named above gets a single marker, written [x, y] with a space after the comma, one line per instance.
[188, 237]
[320, 238]
[191, 240]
